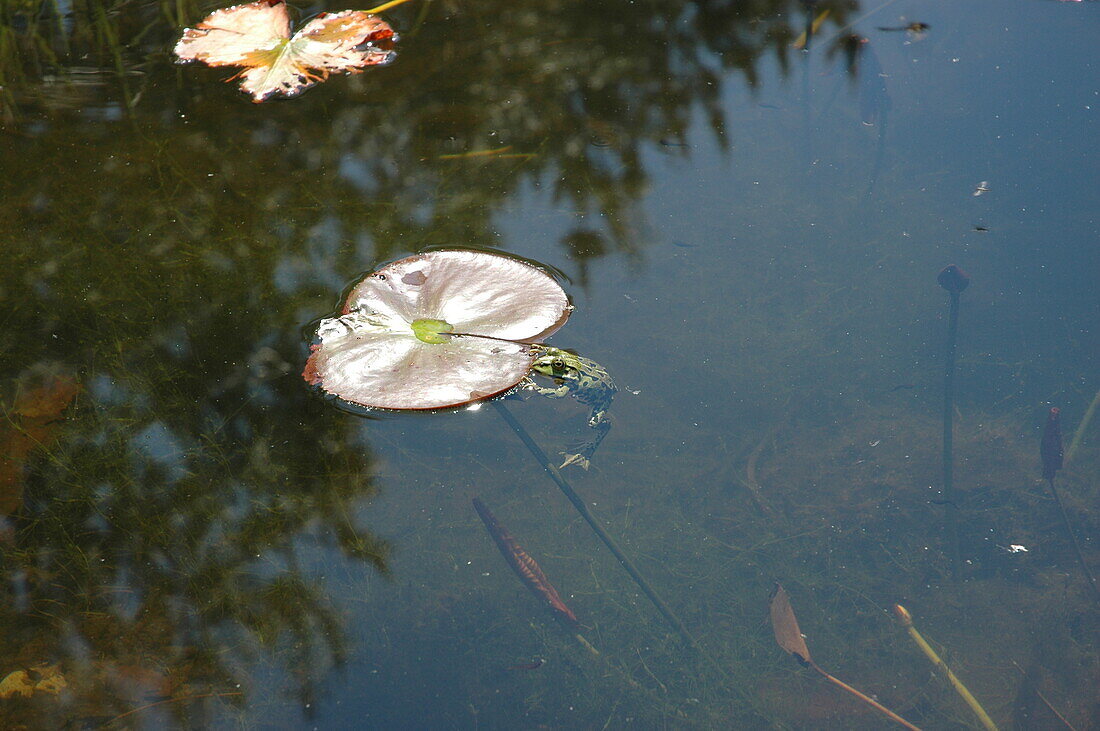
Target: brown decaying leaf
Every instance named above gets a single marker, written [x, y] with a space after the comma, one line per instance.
[257, 37]
[785, 626]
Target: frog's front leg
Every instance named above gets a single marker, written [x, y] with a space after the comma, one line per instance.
[560, 392]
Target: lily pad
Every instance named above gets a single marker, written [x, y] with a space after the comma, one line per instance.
[436, 330]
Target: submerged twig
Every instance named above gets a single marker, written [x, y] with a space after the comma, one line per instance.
[147, 706]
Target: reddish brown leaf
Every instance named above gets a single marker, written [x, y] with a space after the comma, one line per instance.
[524, 566]
[785, 626]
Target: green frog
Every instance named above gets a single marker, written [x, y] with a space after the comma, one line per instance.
[586, 381]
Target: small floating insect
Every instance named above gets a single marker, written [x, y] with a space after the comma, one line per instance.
[983, 187]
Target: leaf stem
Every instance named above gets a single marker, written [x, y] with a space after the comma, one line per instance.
[1080, 433]
[385, 6]
[907, 622]
[608, 541]
[948, 484]
[1073, 538]
[866, 699]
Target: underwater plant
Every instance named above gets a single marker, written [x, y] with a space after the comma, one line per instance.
[954, 280]
[906, 621]
[789, 637]
[448, 328]
[1052, 455]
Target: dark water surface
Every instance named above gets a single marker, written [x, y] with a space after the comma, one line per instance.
[751, 236]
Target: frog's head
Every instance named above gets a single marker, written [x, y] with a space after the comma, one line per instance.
[553, 362]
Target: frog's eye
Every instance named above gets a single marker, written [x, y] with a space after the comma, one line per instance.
[557, 364]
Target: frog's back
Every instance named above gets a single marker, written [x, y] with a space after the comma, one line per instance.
[595, 386]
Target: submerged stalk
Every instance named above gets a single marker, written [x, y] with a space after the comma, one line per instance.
[864, 698]
[1085, 421]
[585, 513]
[948, 435]
[571, 494]
[385, 6]
[954, 280]
[1073, 539]
[907, 622]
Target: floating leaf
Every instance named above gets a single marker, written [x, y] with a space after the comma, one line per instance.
[257, 37]
[785, 626]
[436, 330]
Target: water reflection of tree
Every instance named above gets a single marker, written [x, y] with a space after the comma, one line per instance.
[168, 241]
[155, 550]
[579, 91]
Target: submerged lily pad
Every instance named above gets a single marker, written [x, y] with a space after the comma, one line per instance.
[436, 330]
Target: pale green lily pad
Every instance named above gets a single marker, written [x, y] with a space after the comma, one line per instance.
[405, 338]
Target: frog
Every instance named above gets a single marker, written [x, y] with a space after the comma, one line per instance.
[585, 380]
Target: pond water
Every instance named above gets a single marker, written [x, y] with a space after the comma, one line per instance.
[751, 236]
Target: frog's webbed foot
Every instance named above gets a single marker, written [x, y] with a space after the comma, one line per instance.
[578, 459]
[599, 418]
[581, 454]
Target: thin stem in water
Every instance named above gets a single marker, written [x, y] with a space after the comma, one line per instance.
[948, 436]
[1085, 421]
[585, 513]
[1073, 538]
